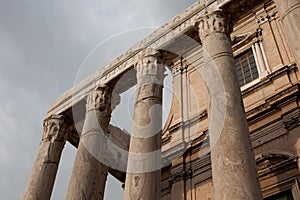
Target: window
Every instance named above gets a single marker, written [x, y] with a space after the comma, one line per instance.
[246, 67]
[286, 195]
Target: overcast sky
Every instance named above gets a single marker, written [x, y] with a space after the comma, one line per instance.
[42, 46]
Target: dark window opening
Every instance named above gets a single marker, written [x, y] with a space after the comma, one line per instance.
[246, 67]
[286, 195]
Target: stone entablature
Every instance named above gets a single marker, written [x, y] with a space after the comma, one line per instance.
[179, 25]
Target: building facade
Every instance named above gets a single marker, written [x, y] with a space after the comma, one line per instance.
[235, 67]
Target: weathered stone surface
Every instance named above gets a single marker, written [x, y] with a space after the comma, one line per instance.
[179, 25]
[144, 160]
[89, 173]
[271, 101]
[231, 152]
[45, 167]
[289, 11]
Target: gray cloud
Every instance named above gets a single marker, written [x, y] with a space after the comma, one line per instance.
[43, 43]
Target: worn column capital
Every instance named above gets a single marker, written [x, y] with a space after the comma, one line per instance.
[149, 68]
[100, 99]
[214, 22]
[55, 129]
[42, 177]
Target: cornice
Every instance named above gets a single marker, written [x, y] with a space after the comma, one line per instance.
[177, 26]
[268, 79]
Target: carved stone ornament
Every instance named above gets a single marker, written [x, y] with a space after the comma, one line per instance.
[292, 123]
[149, 66]
[55, 129]
[214, 22]
[100, 99]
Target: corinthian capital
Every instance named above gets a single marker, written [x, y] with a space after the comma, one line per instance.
[55, 128]
[100, 99]
[149, 68]
[214, 22]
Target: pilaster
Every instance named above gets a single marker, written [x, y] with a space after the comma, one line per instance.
[289, 12]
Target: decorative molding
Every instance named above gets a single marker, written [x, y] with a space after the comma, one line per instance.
[267, 132]
[193, 168]
[266, 17]
[179, 124]
[245, 39]
[166, 138]
[272, 103]
[201, 139]
[270, 163]
[275, 128]
[281, 71]
[292, 123]
[176, 27]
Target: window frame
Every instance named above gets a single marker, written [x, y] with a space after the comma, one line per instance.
[248, 73]
[252, 40]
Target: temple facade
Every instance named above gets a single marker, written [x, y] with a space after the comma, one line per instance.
[233, 130]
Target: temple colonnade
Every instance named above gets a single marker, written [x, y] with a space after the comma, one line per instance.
[232, 162]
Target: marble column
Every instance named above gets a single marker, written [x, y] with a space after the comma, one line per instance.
[233, 165]
[144, 160]
[289, 11]
[89, 173]
[45, 167]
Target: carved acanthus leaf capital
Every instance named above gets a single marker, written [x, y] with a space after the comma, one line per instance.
[149, 67]
[100, 99]
[214, 22]
[55, 128]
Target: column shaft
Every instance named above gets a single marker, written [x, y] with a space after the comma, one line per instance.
[144, 160]
[89, 174]
[45, 167]
[289, 11]
[233, 164]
